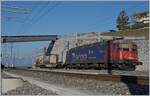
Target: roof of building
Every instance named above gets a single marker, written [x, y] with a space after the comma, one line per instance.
[142, 13]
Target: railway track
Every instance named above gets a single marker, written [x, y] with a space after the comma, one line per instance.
[144, 80]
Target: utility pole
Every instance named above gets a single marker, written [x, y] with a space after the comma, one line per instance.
[67, 45]
[62, 57]
[14, 58]
[99, 35]
[11, 53]
[76, 39]
[4, 56]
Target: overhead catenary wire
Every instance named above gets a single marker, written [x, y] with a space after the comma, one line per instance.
[8, 10]
[16, 8]
[13, 9]
[44, 12]
[32, 16]
[13, 18]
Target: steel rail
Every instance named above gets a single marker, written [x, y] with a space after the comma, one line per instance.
[143, 80]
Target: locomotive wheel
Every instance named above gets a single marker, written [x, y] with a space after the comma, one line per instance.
[132, 68]
[127, 68]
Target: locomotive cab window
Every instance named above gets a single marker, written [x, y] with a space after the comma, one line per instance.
[124, 47]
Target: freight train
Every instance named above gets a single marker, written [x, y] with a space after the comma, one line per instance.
[110, 54]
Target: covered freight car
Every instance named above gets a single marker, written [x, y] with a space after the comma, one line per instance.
[44, 61]
[108, 54]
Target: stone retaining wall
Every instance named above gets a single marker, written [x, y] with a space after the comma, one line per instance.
[143, 52]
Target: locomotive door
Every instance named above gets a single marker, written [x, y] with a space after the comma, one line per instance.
[107, 55]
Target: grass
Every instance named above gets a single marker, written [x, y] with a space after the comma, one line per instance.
[131, 33]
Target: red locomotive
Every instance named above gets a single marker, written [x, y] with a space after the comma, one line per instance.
[112, 54]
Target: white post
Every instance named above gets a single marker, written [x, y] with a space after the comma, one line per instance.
[76, 39]
[99, 35]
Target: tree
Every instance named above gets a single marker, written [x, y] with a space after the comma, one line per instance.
[122, 21]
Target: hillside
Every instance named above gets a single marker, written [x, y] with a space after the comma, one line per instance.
[132, 33]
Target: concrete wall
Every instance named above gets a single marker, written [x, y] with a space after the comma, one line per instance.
[143, 50]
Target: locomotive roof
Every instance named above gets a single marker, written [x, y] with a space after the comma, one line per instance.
[93, 44]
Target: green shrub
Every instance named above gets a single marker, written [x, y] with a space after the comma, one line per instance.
[139, 25]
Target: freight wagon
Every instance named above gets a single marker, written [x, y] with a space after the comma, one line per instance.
[108, 54]
[39, 61]
[44, 61]
[51, 60]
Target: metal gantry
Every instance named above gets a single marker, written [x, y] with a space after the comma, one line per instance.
[27, 38]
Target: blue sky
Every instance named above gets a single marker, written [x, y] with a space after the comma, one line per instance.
[62, 18]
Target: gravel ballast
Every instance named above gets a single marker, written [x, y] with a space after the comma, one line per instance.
[91, 87]
[27, 89]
